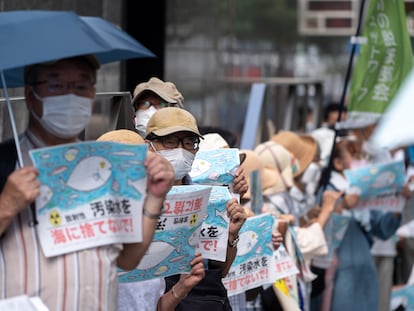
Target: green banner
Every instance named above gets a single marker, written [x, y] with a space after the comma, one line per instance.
[384, 61]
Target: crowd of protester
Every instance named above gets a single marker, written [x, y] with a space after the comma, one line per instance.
[303, 185]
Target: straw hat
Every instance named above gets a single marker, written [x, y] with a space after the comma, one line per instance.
[278, 161]
[302, 146]
[253, 163]
[122, 136]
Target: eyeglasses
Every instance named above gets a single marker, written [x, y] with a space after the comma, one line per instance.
[172, 141]
[155, 103]
[81, 87]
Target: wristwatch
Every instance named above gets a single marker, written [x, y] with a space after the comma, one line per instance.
[234, 243]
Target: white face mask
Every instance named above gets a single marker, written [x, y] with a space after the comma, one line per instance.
[65, 116]
[180, 159]
[141, 119]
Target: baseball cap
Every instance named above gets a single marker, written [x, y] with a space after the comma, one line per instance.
[170, 120]
[166, 90]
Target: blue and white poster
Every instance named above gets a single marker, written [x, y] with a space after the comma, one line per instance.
[284, 264]
[379, 186]
[176, 235]
[91, 194]
[214, 232]
[377, 179]
[253, 265]
[215, 167]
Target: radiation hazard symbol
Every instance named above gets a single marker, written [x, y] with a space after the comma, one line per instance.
[193, 220]
[54, 218]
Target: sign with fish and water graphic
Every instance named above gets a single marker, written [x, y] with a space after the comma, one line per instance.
[379, 185]
[215, 167]
[91, 194]
[214, 232]
[254, 262]
[176, 235]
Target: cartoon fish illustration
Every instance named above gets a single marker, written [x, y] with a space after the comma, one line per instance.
[135, 162]
[247, 241]
[126, 165]
[384, 179]
[90, 173]
[161, 270]
[175, 259]
[156, 253]
[59, 169]
[213, 176]
[199, 167]
[222, 214]
[139, 185]
[44, 197]
[219, 155]
[124, 153]
[71, 154]
[45, 156]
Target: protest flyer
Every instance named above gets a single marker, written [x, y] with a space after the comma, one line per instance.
[252, 266]
[176, 235]
[214, 232]
[283, 263]
[91, 194]
[379, 185]
[215, 167]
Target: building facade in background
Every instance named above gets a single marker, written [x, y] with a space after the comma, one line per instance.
[214, 50]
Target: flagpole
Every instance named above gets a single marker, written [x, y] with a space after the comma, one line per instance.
[354, 42]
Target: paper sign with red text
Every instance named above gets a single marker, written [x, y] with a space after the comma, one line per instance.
[91, 194]
[253, 265]
[215, 228]
[176, 235]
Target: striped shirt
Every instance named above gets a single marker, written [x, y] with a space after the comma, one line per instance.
[83, 280]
